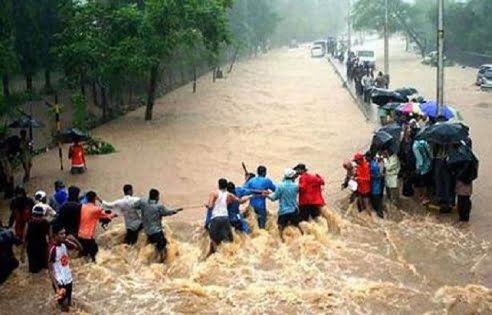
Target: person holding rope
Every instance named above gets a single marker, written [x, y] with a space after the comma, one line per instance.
[258, 203]
[220, 227]
[126, 205]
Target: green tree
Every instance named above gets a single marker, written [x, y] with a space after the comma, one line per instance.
[409, 19]
[27, 38]
[8, 58]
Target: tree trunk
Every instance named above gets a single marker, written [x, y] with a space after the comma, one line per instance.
[82, 82]
[94, 94]
[194, 78]
[214, 72]
[47, 80]
[104, 103]
[151, 92]
[233, 59]
[130, 94]
[29, 82]
[5, 82]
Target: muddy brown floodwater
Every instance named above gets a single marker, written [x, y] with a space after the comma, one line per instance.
[276, 110]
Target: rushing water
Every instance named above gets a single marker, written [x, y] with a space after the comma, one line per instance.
[347, 263]
[279, 110]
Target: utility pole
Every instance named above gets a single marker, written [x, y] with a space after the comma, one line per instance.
[440, 58]
[386, 39]
[349, 26]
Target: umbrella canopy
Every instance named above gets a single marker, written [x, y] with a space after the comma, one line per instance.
[26, 123]
[390, 106]
[444, 133]
[70, 135]
[410, 108]
[431, 109]
[394, 129]
[406, 91]
[381, 140]
[382, 97]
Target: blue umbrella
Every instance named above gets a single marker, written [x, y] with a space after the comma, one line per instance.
[430, 109]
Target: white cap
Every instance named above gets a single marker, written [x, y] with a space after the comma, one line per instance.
[39, 195]
[289, 173]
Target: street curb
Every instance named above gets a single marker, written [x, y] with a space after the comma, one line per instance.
[361, 106]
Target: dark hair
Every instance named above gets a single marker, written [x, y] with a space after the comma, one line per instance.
[91, 196]
[20, 191]
[222, 183]
[59, 184]
[261, 170]
[127, 189]
[73, 193]
[153, 194]
[231, 188]
[57, 227]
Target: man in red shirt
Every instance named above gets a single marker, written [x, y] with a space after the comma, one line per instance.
[77, 157]
[363, 177]
[310, 196]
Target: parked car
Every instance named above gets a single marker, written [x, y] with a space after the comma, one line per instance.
[481, 72]
[486, 80]
[367, 57]
[317, 51]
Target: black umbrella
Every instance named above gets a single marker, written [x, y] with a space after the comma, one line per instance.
[70, 135]
[406, 91]
[26, 123]
[381, 140]
[382, 97]
[444, 133]
[394, 129]
[391, 106]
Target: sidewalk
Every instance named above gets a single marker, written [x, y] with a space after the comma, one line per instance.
[370, 111]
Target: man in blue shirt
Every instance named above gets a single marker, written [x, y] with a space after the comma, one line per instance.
[258, 203]
[286, 193]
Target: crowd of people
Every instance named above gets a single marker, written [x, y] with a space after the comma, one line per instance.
[47, 227]
[415, 162]
[298, 202]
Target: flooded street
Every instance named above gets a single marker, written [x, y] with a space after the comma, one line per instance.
[277, 110]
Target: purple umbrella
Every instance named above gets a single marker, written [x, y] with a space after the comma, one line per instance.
[430, 109]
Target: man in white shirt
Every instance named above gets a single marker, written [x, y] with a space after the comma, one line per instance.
[133, 220]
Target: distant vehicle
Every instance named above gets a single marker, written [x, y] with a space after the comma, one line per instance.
[481, 72]
[321, 43]
[486, 80]
[293, 43]
[431, 59]
[367, 57]
[317, 51]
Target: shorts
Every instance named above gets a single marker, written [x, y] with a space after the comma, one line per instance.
[287, 219]
[307, 211]
[67, 297]
[158, 240]
[220, 230]
[131, 236]
[77, 170]
[90, 248]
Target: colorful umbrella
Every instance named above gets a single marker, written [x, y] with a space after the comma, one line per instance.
[410, 108]
[430, 109]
